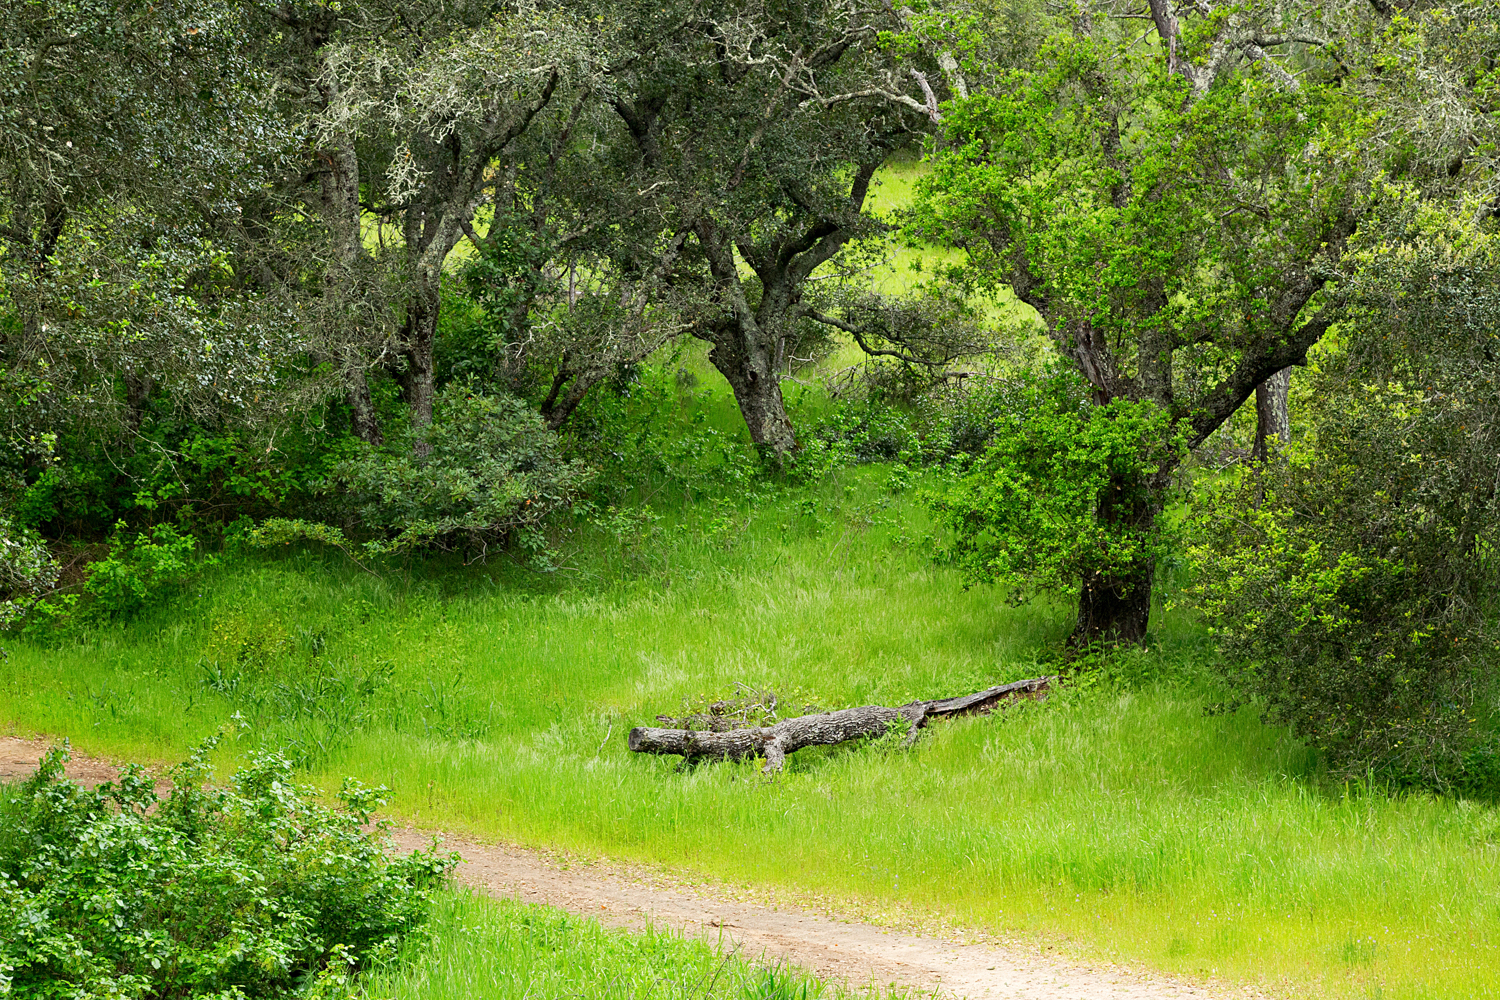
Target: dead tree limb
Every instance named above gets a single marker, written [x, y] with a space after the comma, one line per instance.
[826, 728]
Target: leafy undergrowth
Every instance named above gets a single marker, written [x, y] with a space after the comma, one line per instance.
[1123, 820]
[247, 891]
[504, 950]
[256, 890]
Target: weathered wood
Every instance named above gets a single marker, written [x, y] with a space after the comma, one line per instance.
[982, 702]
[825, 728]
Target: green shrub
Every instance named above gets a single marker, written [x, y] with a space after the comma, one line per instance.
[1032, 513]
[866, 430]
[26, 570]
[141, 569]
[484, 472]
[1352, 587]
[187, 473]
[247, 891]
[655, 427]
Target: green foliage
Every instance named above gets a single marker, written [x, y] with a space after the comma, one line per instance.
[1049, 501]
[484, 472]
[27, 568]
[657, 427]
[1115, 234]
[1332, 621]
[246, 891]
[199, 474]
[868, 430]
[500, 286]
[53, 620]
[141, 569]
[113, 274]
[1352, 587]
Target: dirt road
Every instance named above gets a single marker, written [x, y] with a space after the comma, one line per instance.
[858, 953]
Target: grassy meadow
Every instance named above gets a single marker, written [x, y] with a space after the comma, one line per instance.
[1120, 820]
[1129, 818]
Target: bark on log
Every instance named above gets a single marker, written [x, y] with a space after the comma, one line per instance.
[826, 728]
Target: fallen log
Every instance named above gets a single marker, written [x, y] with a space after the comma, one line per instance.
[826, 728]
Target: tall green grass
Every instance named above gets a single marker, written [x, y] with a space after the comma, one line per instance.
[1121, 819]
[488, 949]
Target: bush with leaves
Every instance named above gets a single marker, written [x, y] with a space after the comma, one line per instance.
[142, 568]
[27, 569]
[245, 891]
[484, 472]
[654, 428]
[867, 430]
[1062, 496]
[1352, 586]
[202, 475]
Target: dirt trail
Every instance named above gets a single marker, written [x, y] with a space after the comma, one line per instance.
[858, 953]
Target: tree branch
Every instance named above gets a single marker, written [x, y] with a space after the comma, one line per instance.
[858, 333]
[1168, 29]
[927, 108]
[1230, 394]
[931, 106]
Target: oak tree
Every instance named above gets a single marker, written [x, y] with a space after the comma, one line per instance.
[1172, 191]
[746, 137]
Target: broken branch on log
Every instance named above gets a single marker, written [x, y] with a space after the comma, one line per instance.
[826, 728]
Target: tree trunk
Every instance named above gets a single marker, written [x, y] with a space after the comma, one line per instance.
[363, 420]
[1115, 607]
[418, 387]
[1272, 416]
[338, 202]
[747, 350]
[760, 401]
[430, 233]
[826, 728]
[137, 395]
[751, 372]
[559, 405]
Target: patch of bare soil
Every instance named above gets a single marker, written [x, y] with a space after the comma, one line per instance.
[19, 758]
[842, 950]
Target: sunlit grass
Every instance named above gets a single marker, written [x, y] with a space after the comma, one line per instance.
[1123, 820]
[488, 949]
